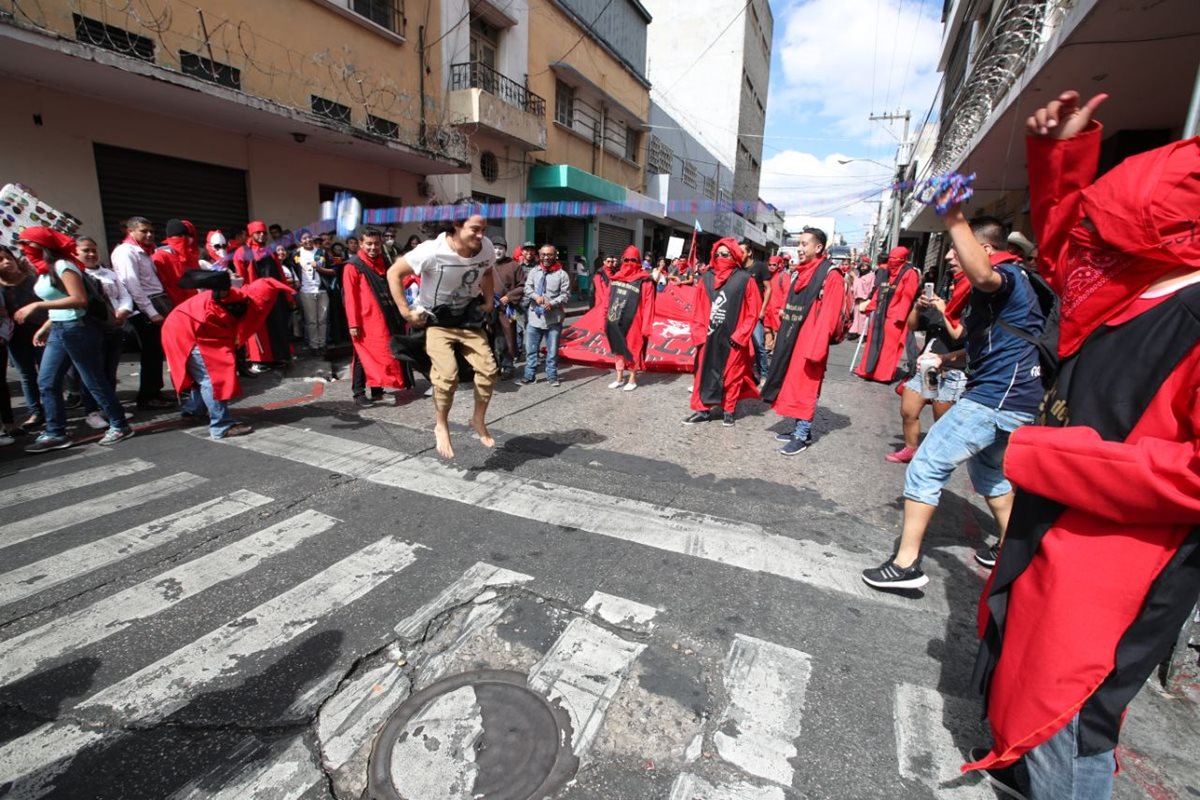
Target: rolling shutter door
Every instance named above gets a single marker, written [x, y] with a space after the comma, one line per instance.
[567, 234]
[614, 240]
[160, 188]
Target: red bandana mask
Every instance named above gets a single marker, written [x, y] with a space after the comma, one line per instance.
[723, 266]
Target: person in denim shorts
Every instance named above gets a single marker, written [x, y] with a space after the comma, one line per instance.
[1003, 392]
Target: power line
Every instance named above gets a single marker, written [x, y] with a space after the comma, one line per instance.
[588, 29]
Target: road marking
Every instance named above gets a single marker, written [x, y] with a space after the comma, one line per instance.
[925, 748]
[54, 464]
[26, 581]
[30, 651]
[61, 483]
[738, 544]
[434, 758]
[766, 684]
[621, 612]
[46, 751]
[584, 668]
[155, 692]
[284, 770]
[468, 587]
[691, 787]
[87, 511]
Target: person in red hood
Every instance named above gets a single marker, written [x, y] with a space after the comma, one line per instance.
[176, 255]
[630, 317]
[774, 298]
[723, 320]
[895, 291]
[256, 261]
[373, 319]
[810, 320]
[200, 337]
[1101, 565]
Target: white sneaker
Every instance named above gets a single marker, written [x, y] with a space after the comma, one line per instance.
[6, 440]
[428, 392]
[616, 384]
[96, 421]
[629, 387]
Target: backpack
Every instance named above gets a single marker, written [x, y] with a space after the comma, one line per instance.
[1047, 342]
[99, 307]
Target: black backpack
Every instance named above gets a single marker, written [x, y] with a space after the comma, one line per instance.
[1047, 342]
[99, 308]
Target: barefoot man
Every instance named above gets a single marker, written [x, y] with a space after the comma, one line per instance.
[456, 275]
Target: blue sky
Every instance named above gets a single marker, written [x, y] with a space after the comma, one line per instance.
[833, 64]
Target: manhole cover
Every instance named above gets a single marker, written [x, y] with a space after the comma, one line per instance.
[476, 735]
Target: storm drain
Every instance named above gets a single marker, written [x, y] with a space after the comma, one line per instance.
[481, 734]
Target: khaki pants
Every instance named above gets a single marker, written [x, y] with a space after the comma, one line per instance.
[440, 345]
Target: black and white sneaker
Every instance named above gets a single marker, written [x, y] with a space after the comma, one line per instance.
[1006, 780]
[889, 576]
[988, 557]
[727, 420]
[697, 418]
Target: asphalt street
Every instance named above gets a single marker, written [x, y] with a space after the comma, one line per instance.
[625, 606]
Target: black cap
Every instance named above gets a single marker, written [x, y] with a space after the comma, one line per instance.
[218, 279]
[175, 228]
[529, 245]
[500, 241]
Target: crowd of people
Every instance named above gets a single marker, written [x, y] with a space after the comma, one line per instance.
[1081, 438]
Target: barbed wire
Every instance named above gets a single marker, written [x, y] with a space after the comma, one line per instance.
[167, 32]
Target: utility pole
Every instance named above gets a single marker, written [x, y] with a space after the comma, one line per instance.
[901, 167]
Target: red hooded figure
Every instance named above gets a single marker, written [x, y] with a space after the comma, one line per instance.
[630, 315]
[780, 281]
[368, 305]
[176, 255]
[256, 261]
[895, 291]
[724, 315]
[1101, 564]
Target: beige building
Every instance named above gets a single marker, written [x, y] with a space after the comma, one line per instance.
[221, 111]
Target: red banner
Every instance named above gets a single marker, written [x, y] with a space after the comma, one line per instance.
[669, 347]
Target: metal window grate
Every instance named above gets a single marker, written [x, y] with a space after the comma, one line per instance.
[660, 157]
[382, 127]
[689, 174]
[95, 32]
[384, 13]
[208, 70]
[330, 110]
[477, 75]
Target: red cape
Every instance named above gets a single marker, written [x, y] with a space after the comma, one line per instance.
[739, 367]
[175, 257]
[643, 323]
[779, 290]
[202, 322]
[895, 331]
[668, 338]
[810, 356]
[372, 348]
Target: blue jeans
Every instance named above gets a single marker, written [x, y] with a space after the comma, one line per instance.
[803, 430]
[1058, 772]
[533, 345]
[760, 349]
[77, 342]
[968, 432]
[27, 360]
[200, 399]
[110, 358]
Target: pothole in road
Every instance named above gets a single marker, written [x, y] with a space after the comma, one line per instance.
[476, 735]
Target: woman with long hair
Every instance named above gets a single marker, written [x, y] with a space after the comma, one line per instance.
[110, 349]
[16, 289]
[70, 336]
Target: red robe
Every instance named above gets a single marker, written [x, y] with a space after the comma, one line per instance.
[739, 367]
[642, 325]
[1130, 505]
[779, 289]
[200, 321]
[270, 341]
[372, 347]
[895, 330]
[176, 256]
[810, 356]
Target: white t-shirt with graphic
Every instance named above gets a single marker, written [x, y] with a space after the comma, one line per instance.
[448, 279]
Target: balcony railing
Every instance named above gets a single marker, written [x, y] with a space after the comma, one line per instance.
[476, 75]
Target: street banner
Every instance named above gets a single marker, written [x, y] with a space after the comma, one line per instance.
[669, 345]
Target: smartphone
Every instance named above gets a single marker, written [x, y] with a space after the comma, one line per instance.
[929, 291]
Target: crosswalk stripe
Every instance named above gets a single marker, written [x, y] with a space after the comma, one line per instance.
[53, 464]
[26, 653]
[41, 754]
[57, 569]
[621, 612]
[74, 480]
[64, 517]
[925, 748]
[155, 692]
[766, 684]
[584, 668]
[738, 544]
[692, 787]
[479, 577]
[284, 770]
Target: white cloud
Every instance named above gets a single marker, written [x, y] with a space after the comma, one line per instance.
[805, 185]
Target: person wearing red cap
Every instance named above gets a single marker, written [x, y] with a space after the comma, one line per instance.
[630, 317]
[893, 297]
[1101, 566]
[201, 336]
[255, 261]
[773, 299]
[724, 316]
[810, 320]
[176, 255]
